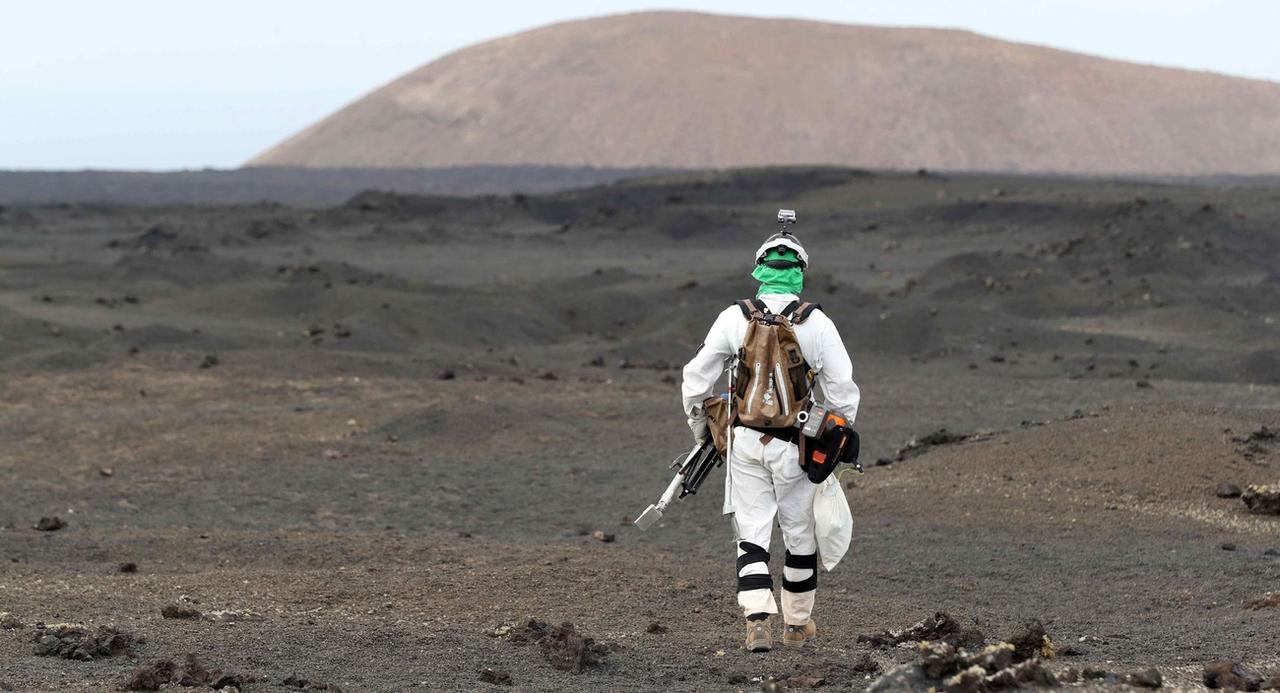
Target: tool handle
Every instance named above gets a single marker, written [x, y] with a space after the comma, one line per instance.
[670, 492]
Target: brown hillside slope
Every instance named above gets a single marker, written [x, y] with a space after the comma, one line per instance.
[678, 89]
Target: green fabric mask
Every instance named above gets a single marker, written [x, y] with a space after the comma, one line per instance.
[779, 281]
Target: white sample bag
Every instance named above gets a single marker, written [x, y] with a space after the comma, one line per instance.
[833, 522]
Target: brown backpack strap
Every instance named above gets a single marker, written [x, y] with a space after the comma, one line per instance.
[751, 305]
[803, 312]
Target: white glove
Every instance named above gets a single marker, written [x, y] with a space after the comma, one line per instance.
[701, 431]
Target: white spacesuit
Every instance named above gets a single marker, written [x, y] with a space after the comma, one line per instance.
[764, 479]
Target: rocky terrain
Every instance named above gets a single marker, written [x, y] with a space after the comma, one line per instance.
[397, 443]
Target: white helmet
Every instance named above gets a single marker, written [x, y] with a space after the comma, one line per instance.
[783, 240]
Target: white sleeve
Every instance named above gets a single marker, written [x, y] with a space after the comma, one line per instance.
[835, 372]
[704, 369]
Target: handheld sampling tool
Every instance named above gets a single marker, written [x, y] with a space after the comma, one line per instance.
[693, 469]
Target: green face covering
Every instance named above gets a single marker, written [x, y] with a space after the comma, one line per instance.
[779, 281]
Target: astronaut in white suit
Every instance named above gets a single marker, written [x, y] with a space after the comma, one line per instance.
[764, 480]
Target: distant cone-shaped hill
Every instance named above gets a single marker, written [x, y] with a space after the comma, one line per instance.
[685, 90]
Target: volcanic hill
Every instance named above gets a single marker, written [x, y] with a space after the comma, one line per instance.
[688, 90]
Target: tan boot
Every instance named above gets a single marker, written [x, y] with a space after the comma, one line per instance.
[759, 636]
[799, 635]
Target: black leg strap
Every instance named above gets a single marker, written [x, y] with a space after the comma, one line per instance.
[804, 561]
[801, 561]
[753, 554]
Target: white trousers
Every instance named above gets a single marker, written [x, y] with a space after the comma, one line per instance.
[767, 483]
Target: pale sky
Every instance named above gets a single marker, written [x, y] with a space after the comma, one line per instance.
[159, 84]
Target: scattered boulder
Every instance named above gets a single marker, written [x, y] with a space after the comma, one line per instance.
[1223, 673]
[199, 675]
[944, 667]
[192, 673]
[656, 628]
[9, 622]
[941, 627]
[495, 677]
[1264, 500]
[182, 608]
[950, 658]
[1227, 491]
[567, 649]
[209, 361]
[1147, 678]
[185, 607]
[50, 524]
[73, 641]
[152, 677]
[129, 567]
[601, 536]
[564, 647]
[1031, 641]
